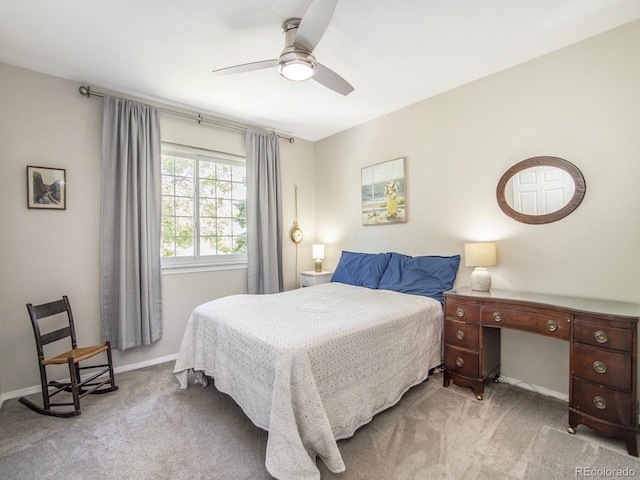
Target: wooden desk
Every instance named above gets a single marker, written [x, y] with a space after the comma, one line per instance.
[603, 350]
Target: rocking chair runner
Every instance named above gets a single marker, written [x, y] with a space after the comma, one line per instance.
[77, 386]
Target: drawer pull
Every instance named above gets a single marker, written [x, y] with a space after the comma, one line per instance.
[497, 316]
[600, 336]
[552, 326]
[460, 335]
[459, 362]
[599, 366]
[460, 311]
[600, 403]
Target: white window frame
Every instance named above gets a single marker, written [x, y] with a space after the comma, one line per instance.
[197, 261]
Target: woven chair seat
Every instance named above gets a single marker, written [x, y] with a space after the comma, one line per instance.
[77, 354]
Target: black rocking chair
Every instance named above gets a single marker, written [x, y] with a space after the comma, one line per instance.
[101, 381]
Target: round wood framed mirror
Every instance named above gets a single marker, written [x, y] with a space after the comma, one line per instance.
[541, 190]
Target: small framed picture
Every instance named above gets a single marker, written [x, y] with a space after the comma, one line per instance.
[46, 188]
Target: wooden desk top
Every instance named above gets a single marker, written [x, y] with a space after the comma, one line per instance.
[578, 304]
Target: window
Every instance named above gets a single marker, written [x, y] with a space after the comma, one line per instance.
[203, 207]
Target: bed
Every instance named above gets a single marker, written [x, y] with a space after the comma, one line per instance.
[314, 364]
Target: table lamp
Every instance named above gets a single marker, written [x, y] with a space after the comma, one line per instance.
[480, 256]
[318, 255]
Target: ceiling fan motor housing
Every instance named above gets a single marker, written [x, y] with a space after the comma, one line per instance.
[296, 65]
[294, 62]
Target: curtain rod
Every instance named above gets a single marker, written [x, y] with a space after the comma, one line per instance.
[87, 91]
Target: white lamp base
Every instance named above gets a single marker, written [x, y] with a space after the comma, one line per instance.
[480, 279]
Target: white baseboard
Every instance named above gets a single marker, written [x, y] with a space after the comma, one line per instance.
[125, 368]
[534, 388]
[146, 363]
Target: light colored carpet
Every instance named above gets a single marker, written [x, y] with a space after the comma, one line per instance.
[149, 429]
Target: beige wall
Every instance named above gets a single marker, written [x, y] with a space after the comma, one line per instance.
[44, 121]
[582, 104]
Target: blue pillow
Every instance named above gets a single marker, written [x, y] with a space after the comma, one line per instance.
[429, 276]
[361, 269]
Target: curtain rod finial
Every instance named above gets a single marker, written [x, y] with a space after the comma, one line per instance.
[84, 90]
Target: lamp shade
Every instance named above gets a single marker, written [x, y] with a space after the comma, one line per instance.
[480, 254]
[317, 251]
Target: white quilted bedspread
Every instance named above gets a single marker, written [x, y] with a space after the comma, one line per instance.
[312, 365]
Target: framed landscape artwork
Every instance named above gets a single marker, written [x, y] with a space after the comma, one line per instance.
[383, 193]
[46, 188]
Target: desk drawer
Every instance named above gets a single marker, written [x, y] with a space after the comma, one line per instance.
[536, 322]
[461, 334]
[461, 362]
[601, 366]
[603, 336]
[603, 403]
[465, 312]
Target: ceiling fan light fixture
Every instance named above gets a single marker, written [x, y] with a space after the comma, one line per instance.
[296, 71]
[297, 66]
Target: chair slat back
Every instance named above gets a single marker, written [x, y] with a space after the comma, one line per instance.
[48, 309]
[54, 336]
[38, 312]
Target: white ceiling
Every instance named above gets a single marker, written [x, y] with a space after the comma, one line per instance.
[394, 53]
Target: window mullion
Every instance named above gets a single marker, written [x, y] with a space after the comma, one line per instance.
[196, 208]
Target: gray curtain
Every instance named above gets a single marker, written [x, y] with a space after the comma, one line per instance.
[264, 213]
[131, 303]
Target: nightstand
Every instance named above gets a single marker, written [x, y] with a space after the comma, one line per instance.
[310, 278]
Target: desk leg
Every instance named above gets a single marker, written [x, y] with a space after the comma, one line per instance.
[632, 446]
[477, 385]
[628, 435]
[446, 380]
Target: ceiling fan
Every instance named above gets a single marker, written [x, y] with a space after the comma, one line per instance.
[296, 62]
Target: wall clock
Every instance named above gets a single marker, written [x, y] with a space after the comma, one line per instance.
[296, 231]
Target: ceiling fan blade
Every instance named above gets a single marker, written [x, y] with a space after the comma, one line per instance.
[332, 80]
[247, 67]
[314, 23]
